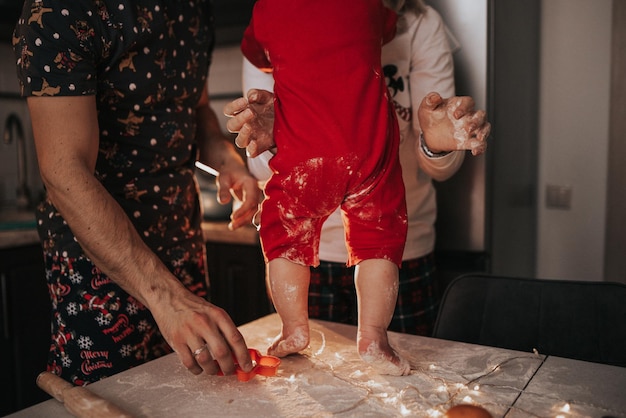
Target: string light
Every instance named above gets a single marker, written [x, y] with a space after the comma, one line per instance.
[418, 396]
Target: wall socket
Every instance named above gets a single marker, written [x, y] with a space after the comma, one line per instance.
[558, 197]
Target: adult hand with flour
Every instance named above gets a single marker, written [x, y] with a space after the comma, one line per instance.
[252, 118]
[453, 124]
[447, 124]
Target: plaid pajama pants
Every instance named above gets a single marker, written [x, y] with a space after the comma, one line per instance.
[332, 296]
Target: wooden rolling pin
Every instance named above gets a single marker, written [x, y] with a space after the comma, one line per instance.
[78, 400]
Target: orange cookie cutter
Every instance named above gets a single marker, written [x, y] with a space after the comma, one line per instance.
[262, 365]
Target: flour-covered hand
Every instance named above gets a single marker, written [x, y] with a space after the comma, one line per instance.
[452, 124]
[252, 118]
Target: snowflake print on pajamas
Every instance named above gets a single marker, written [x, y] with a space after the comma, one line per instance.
[84, 342]
[126, 350]
[102, 320]
[75, 277]
[66, 361]
[72, 309]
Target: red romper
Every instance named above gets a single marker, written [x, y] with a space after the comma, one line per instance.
[335, 130]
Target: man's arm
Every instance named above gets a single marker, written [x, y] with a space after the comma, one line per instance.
[66, 140]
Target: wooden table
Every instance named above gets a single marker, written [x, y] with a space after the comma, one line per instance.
[329, 379]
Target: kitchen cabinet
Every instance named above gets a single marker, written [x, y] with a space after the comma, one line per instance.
[237, 276]
[24, 326]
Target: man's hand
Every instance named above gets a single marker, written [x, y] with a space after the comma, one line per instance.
[235, 182]
[453, 124]
[199, 332]
[253, 121]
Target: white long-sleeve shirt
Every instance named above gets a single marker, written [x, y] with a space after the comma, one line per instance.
[417, 61]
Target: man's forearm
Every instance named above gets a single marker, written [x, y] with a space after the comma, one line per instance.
[105, 233]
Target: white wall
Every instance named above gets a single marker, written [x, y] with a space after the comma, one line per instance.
[225, 78]
[573, 136]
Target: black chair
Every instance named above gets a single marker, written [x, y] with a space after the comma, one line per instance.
[579, 320]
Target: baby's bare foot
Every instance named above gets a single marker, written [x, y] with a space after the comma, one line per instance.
[383, 358]
[290, 343]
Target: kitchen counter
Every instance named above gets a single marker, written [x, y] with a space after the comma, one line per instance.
[17, 228]
[18, 238]
[329, 379]
[214, 231]
[217, 231]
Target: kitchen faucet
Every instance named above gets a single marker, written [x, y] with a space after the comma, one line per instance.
[14, 131]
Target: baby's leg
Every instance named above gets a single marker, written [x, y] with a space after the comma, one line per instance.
[376, 283]
[289, 288]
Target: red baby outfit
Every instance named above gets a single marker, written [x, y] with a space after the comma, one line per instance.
[335, 131]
